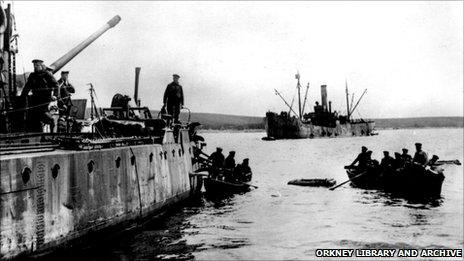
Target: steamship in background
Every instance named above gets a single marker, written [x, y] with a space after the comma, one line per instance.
[323, 122]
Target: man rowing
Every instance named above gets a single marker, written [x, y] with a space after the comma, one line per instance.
[362, 158]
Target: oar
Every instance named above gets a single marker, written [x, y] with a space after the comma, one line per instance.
[250, 185]
[343, 183]
[349, 167]
[440, 162]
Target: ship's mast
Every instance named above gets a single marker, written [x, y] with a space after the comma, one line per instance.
[306, 96]
[352, 101]
[347, 100]
[297, 76]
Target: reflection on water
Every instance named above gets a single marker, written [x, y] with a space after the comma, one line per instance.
[278, 221]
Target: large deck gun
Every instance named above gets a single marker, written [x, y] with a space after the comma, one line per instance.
[12, 116]
[63, 60]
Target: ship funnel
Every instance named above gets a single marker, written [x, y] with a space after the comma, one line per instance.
[324, 97]
[63, 60]
[136, 89]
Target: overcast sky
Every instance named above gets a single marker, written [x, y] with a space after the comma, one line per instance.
[231, 55]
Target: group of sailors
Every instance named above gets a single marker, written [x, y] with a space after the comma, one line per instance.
[46, 89]
[226, 169]
[364, 159]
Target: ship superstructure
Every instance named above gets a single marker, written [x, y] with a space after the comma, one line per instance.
[57, 188]
[322, 122]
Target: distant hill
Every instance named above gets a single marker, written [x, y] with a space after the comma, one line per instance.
[425, 122]
[225, 122]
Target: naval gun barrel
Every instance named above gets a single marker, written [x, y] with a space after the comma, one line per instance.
[63, 60]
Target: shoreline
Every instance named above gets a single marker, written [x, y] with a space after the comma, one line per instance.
[264, 130]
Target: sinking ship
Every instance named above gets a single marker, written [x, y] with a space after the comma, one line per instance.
[57, 189]
[322, 122]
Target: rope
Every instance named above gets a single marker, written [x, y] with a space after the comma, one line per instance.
[35, 106]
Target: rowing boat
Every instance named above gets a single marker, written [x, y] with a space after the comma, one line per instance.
[217, 186]
[412, 180]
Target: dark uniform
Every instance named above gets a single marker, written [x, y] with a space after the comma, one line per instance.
[387, 161]
[242, 171]
[406, 157]
[433, 160]
[217, 161]
[42, 83]
[217, 158]
[64, 97]
[229, 162]
[362, 158]
[174, 99]
[420, 156]
[399, 161]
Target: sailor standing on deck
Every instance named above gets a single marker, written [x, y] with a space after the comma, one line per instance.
[64, 94]
[41, 82]
[420, 156]
[173, 99]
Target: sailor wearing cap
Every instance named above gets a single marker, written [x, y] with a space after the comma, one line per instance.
[229, 162]
[41, 82]
[242, 172]
[433, 160]
[64, 94]
[361, 158]
[173, 99]
[387, 160]
[420, 156]
[405, 156]
[217, 161]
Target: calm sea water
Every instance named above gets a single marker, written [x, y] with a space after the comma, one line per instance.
[280, 221]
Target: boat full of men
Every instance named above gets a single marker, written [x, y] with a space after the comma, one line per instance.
[225, 168]
[416, 176]
[364, 159]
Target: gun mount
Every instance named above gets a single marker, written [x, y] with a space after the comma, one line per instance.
[14, 109]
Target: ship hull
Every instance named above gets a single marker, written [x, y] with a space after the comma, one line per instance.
[283, 127]
[90, 191]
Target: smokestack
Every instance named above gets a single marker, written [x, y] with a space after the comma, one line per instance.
[324, 97]
[330, 106]
[136, 90]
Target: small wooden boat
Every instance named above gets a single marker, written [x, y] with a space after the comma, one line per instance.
[217, 186]
[313, 182]
[411, 181]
